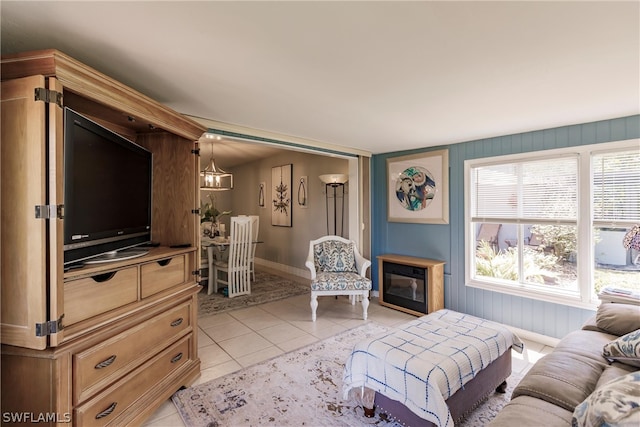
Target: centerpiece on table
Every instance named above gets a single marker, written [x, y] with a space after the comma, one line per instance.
[210, 217]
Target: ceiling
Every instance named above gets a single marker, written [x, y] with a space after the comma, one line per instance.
[373, 76]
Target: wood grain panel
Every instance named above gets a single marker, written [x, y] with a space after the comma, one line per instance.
[125, 392]
[174, 196]
[100, 365]
[85, 298]
[162, 274]
[95, 86]
[23, 186]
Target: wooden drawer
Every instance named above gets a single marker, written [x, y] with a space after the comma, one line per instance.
[90, 296]
[105, 408]
[163, 274]
[97, 367]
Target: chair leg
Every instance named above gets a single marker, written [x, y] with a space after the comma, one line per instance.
[314, 306]
[210, 262]
[365, 306]
[215, 280]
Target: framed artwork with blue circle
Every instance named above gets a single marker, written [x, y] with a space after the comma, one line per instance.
[418, 188]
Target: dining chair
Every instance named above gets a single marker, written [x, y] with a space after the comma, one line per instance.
[255, 226]
[337, 268]
[236, 266]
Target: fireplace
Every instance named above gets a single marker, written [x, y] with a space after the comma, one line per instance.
[405, 286]
[409, 284]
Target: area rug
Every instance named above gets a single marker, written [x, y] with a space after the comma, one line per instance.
[266, 288]
[300, 388]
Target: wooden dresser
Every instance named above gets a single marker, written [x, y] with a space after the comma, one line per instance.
[108, 343]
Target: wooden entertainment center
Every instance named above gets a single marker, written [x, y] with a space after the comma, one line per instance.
[105, 344]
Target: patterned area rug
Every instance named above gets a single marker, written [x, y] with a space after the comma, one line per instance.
[267, 287]
[300, 388]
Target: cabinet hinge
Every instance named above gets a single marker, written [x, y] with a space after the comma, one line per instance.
[196, 151]
[195, 211]
[49, 211]
[50, 327]
[47, 95]
[197, 272]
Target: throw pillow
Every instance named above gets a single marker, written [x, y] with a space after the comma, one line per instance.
[618, 319]
[625, 349]
[614, 404]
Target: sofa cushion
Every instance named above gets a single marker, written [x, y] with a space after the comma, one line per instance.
[526, 411]
[334, 257]
[618, 319]
[340, 282]
[570, 373]
[625, 349]
[613, 404]
[613, 371]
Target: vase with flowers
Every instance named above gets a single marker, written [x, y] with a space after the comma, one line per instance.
[210, 217]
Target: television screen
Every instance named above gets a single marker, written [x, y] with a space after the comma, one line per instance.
[107, 190]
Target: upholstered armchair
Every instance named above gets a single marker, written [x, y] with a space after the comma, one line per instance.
[337, 268]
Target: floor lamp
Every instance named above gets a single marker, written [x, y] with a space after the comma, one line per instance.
[334, 182]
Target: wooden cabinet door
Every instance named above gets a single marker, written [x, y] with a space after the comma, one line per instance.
[24, 238]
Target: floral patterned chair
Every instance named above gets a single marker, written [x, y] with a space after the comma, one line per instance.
[337, 268]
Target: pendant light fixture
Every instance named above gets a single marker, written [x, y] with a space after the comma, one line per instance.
[215, 178]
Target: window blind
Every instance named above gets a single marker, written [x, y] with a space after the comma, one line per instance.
[616, 186]
[541, 189]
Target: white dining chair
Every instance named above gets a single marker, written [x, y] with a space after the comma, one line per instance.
[236, 266]
[255, 226]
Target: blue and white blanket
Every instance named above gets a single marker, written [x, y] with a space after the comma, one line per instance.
[427, 360]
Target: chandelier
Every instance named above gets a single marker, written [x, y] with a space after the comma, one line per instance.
[215, 178]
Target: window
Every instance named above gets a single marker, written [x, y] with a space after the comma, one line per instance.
[550, 225]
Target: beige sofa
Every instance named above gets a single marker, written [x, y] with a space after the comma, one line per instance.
[549, 393]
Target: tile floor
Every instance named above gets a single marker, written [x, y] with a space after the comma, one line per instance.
[234, 340]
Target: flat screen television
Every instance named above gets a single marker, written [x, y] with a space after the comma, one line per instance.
[107, 193]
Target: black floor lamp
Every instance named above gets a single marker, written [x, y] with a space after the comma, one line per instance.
[333, 183]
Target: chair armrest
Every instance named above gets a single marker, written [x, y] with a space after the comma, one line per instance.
[312, 268]
[362, 264]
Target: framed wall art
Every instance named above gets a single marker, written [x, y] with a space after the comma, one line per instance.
[281, 195]
[418, 188]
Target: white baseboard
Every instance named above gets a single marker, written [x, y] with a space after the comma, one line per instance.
[300, 272]
[533, 336]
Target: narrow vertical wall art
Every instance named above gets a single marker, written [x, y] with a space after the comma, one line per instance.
[281, 195]
[262, 189]
[303, 194]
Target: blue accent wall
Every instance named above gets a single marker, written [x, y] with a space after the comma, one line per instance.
[446, 242]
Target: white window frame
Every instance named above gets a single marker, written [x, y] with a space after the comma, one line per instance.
[584, 224]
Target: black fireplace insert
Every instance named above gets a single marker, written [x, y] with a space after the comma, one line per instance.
[405, 286]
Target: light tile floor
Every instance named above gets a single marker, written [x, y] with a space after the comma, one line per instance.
[234, 340]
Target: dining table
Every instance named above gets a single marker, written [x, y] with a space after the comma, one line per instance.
[217, 248]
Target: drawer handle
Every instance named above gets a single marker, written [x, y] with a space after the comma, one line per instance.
[107, 411]
[176, 358]
[176, 322]
[103, 277]
[164, 262]
[108, 361]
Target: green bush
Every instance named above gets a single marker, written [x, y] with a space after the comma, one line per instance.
[560, 238]
[504, 264]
